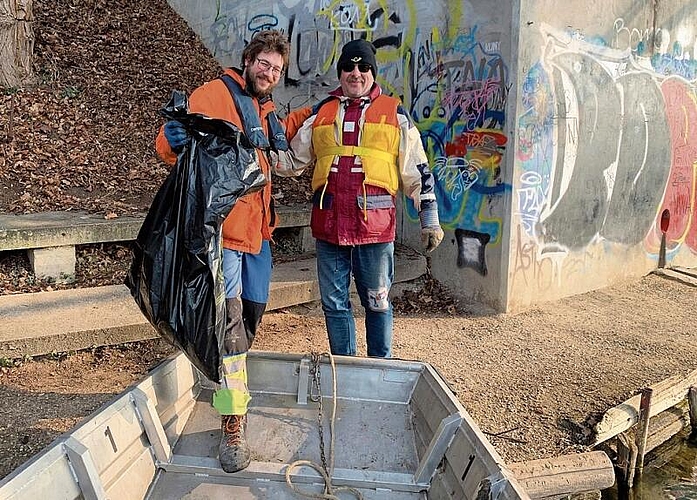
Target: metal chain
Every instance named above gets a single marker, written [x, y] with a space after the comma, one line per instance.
[316, 396]
[315, 359]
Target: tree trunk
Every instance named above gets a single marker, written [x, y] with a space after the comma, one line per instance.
[564, 475]
[16, 42]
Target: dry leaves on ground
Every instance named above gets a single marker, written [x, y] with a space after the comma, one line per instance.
[83, 137]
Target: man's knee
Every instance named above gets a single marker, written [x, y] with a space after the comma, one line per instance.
[378, 299]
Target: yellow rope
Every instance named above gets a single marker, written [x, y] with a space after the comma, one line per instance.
[329, 489]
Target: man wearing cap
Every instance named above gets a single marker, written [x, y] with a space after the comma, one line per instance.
[364, 146]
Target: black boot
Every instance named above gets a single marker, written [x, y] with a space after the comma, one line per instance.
[235, 335]
[251, 316]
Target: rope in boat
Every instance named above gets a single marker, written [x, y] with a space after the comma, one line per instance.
[330, 490]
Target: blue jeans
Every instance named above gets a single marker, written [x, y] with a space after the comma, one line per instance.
[372, 266]
[248, 275]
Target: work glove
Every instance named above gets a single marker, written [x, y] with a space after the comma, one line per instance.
[176, 135]
[431, 233]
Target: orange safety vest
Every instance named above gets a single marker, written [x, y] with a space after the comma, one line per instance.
[252, 219]
[378, 145]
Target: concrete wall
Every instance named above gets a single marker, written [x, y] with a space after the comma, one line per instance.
[606, 140]
[467, 85]
[449, 61]
[558, 135]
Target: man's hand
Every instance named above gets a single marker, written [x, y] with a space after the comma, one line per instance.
[431, 237]
[176, 135]
[431, 232]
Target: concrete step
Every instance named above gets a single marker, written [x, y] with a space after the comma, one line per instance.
[64, 320]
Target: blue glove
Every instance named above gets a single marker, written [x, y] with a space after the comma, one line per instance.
[176, 135]
[431, 232]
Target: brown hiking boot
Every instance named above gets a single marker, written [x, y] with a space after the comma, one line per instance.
[233, 453]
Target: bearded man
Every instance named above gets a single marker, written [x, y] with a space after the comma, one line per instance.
[243, 98]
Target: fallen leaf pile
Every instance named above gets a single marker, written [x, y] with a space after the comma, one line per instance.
[96, 265]
[429, 298]
[82, 136]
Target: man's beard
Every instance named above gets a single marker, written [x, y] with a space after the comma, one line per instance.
[252, 87]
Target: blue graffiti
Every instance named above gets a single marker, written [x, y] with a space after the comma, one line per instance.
[535, 145]
[262, 22]
[665, 64]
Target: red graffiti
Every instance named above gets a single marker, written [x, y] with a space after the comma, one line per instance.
[679, 198]
[480, 139]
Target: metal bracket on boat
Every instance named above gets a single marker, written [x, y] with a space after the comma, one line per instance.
[303, 380]
[437, 448]
[152, 425]
[85, 470]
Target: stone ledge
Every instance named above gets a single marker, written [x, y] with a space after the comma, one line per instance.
[63, 320]
[50, 237]
[55, 229]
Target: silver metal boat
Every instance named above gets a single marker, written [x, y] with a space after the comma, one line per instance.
[399, 432]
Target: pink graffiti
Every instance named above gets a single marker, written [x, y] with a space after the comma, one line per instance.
[681, 111]
[473, 102]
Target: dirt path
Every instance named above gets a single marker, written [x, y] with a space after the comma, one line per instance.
[541, 375]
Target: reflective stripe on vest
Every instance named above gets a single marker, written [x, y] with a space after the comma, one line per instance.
[378, 149]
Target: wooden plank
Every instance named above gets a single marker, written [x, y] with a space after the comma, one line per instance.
[625, 415]
[692, 399]
[626, 458]
[565, 475]
[643, 431]
[674, 275]
[666, 425]
[690, 271]
[633, 454]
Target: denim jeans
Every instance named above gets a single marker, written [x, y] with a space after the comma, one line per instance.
[372, 266]
[246, 274]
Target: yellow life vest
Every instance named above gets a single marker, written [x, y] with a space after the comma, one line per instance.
[378, 146]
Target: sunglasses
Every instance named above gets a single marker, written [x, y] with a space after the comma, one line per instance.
[362, 67]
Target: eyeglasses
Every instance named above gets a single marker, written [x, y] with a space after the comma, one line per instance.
[362, 67]
[265, 65]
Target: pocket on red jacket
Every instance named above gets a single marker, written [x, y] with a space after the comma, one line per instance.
[377, 214]
[323, 218]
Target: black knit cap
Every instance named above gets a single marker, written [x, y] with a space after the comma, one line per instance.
[357, 51]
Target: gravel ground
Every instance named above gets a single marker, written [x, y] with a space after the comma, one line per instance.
[535, 382]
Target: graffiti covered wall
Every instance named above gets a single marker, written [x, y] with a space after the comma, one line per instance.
[606, 141]
[449, 63]
[558, 136]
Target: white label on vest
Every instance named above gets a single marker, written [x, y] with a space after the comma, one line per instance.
[349, 126]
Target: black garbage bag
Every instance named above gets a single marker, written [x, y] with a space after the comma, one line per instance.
[176, 276]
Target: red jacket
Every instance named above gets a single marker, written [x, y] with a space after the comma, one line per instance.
[251, 218]
[349, 211]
